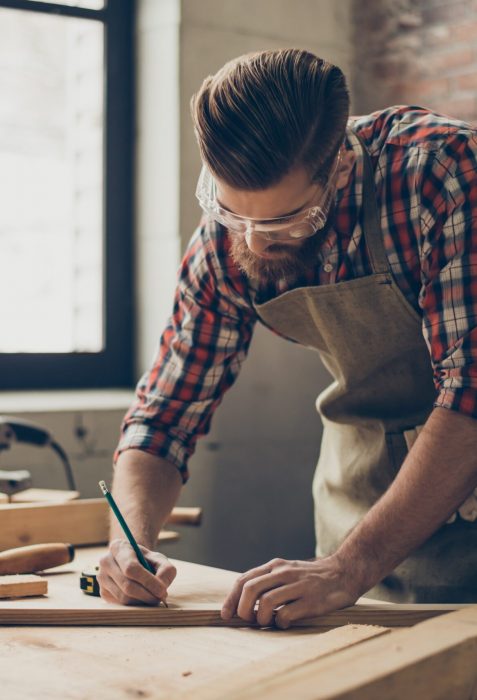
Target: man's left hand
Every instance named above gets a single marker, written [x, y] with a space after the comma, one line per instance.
[286, 591]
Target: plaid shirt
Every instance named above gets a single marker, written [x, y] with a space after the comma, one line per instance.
[426, 181]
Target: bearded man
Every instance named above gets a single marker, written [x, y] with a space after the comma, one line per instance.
[358, 238]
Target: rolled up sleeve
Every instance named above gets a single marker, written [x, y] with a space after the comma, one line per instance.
[199, 357]
[449, 268]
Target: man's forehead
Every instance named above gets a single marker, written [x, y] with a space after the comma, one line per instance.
[287, 197]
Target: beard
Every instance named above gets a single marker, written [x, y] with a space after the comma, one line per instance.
[290, 263]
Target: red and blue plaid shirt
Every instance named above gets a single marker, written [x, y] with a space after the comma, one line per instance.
[426, 182]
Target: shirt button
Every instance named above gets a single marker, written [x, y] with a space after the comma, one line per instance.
[327, 267]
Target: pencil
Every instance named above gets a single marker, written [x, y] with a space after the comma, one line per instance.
[127, 531]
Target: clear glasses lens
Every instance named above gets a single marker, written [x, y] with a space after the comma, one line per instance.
[289, 228]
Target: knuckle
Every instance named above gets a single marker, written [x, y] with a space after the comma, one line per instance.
[277, 562]
[129, 589]
[289, 572]
[104, 562]
[249, 587]
[282, 618]
[266, 599]
[131, 569]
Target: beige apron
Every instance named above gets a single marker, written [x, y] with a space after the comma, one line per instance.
[370, 339]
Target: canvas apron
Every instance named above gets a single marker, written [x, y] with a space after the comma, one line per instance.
[370, 339]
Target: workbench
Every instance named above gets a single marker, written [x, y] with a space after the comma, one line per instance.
[433, 659]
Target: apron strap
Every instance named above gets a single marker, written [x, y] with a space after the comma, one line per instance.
[371, 220]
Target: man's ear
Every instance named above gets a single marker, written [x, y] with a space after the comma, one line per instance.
[348, 159]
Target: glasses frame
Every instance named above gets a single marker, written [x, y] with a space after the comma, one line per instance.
[301, 224]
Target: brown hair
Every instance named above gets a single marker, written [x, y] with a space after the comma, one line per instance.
[265, 113]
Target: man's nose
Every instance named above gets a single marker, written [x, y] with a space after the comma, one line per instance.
[257, 243]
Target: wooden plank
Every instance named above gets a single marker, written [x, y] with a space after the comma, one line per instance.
[194, 614]
[185, 516]
[168, 536]
[80, 522]
[44, 496]
[22, 585]
[381, 613]
[77, 661]
[120, 664]
[66, 604]
[436, 659]
[312, 648]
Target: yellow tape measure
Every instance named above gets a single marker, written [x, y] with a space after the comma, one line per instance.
[88, 581]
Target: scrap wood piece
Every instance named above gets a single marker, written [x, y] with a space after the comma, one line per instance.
[184, 613]
[435, 659]
[181, 515]
[22, 585]
[81, 522]
[35, 495]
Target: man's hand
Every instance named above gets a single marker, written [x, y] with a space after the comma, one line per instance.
[122, 579]
[298, 588]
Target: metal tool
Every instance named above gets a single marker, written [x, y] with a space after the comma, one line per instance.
[19, 430]
[14, 481]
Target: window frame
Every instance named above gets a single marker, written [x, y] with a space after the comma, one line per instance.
[114, 365]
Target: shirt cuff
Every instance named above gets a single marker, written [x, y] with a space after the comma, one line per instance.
[462, 400]
[138, 436]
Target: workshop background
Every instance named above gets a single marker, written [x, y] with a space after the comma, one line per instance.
[252, 474]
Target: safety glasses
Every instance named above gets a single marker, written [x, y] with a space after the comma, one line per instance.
[302, 224]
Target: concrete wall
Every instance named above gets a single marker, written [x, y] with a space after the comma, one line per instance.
[252, 474]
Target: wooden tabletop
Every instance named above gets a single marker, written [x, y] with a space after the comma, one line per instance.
[145, 662]
[212, 663]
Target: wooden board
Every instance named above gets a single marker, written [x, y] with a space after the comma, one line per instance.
[208, 663]
[436, 659]
[152, 663]
[256, 673]
[44, 496]
[68, 605]
[34, 495]
[80, 522]
[22, 585]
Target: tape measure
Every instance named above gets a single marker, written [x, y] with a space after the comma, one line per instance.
[88, 581]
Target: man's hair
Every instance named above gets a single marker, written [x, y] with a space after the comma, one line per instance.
[265, 113]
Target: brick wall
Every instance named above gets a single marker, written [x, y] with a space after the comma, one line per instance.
[417, 52]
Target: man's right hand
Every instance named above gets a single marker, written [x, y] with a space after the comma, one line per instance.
[122, 579]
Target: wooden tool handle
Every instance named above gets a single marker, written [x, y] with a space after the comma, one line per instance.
[35, 557]
[185, 516]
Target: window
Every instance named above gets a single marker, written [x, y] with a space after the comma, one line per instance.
[65, 193]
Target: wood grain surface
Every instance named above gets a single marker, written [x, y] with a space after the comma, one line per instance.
[22, 585]
[212, 663]
[80, 522]
[66, 604]
[435, 660]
